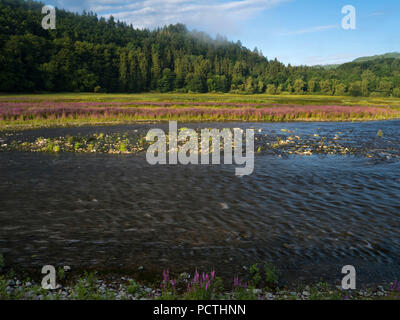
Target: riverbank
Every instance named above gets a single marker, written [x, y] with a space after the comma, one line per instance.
[199, 286]
[22, 112]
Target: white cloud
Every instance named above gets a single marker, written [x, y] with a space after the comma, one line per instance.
[331, 59]
[311, 30]
[376, 14]
[209, 15]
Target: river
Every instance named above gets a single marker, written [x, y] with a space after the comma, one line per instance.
[309, 215]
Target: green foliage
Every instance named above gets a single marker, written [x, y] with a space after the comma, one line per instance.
[271, 274]
[166, 83]
[91, 54]
[242, 293]
[267, 274]
[50, 147]
[200, 292]
[299, 86]
[86, 289]
[98, 89]
[311, 86]
[3, 288]
[133, 288]
[355, 89]
[271, 89]
[78, 145]
[2, 263]
[326, 87]
[249, 87]
[255, 275]
[395, 55]
[340, 89]
[61, 273]
[218, 83]
[396, 92]
[195, 83]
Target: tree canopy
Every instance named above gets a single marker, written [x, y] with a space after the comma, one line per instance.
[88, 53]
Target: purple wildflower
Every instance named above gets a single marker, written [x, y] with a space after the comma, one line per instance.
[236, 282]
[395, 285]
[166, 275]
[196, 276]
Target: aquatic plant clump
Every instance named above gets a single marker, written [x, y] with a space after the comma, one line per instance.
[284, 144]
[126, 143]
[96, 143]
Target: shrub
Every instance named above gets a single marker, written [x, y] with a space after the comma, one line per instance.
[98, 89]
[355, 89]
[133, 288]
[271, 274]
[377, 94]
[396, 92]
[255, 275]
[61, 273]
[271, 89]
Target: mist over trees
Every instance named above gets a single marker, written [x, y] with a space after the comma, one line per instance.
[86, 53]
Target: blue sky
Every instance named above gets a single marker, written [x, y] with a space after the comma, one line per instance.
[294, 31]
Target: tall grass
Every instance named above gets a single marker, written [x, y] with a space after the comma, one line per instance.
[63, 109]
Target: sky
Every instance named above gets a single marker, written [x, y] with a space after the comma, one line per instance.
[299, 32]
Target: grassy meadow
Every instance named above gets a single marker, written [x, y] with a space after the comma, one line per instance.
[77, 109]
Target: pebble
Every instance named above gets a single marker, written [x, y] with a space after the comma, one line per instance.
[270, 296]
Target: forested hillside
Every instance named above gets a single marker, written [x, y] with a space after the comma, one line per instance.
[87, 53]
[379, 56]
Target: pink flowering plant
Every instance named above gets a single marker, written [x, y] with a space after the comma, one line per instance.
[204, 286]
[395, 291]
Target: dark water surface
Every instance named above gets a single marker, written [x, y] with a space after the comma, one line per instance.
[310, 215]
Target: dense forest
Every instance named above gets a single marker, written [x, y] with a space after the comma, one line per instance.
[86, 53]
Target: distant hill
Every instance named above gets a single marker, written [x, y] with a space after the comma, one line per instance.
[392, 55]
[329, 66]
[395, 55]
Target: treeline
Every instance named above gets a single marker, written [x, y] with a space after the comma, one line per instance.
[86, 53]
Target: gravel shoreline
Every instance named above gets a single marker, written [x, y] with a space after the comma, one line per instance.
[89, 287]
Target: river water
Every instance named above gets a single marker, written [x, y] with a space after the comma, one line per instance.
[309, 215]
